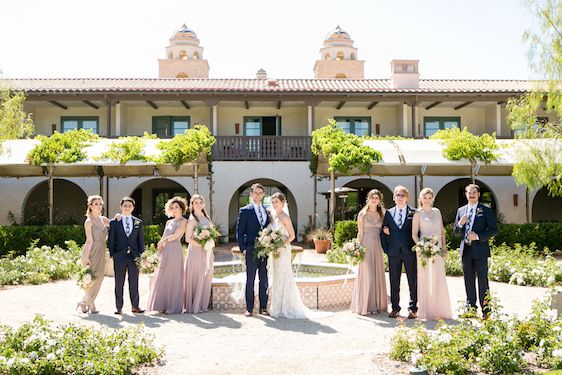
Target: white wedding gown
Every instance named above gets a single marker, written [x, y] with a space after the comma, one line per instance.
[284, 294]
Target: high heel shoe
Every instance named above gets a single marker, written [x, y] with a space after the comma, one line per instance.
[82, 307]
[93, 309]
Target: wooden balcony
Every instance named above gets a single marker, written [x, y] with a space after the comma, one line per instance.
[278, 148]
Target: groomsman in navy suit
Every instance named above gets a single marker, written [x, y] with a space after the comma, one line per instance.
[476, 224]
[126, 242]
[397, 244]
[251, 220]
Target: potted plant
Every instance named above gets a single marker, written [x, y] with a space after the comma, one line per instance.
[322, 239]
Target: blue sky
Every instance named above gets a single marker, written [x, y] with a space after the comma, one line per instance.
[479, 39]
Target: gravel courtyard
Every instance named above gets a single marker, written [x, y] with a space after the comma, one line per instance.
[229, 343]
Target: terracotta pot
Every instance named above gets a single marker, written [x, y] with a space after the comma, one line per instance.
[321, 246]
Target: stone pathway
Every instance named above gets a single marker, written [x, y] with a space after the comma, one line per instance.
[228, 343]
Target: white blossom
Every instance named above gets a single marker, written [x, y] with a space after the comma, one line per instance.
[51, 356]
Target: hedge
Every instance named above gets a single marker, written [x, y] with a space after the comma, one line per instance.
[544, 235]
[15, 240]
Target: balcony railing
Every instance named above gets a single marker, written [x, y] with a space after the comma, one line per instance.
[262, 148]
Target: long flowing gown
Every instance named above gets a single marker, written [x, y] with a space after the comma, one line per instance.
[369, 293]
[433, 294]
[198, 278]
[97, 259]
[284, 293]
[166, 292]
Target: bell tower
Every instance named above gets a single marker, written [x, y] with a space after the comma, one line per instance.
[184, 57]
[338, 58]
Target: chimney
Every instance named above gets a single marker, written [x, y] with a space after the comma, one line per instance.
[404, 74]
[261, 74]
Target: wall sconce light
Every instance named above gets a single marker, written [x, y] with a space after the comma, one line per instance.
[237, 128]
[377, 129]
[515, 200]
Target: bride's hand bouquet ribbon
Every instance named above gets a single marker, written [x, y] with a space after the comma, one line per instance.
[149, 260]
[206, 236]
[85, 278]
[427, 248]
[354, 251]
[269, 240]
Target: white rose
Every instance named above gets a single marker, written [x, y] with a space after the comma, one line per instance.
[51, 356]
[273, 236]
[557, 353]
[150, 259]
[10, 362]
[87, 279]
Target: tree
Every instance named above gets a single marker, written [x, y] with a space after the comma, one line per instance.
[465, 145]
[344, 152]
[538, 155]
[14, 122]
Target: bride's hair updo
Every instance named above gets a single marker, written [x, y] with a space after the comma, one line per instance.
[380, 207]
[279, 196]
[193, 198]
[423, 193]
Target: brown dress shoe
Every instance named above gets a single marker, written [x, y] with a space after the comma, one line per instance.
[264, 312]
[412, 315]
[393, 313]
[118, 312]
[247, 314]
[485, 316]
[137, 310]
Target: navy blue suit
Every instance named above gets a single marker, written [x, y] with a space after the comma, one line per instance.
[247, 230]
[398, 246]
[124, 250]
[475, 255]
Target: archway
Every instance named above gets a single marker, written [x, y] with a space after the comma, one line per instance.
[241, 198]
[151, 196]
[451, 197]
[546, 208]
[355, 200]
[69, 202]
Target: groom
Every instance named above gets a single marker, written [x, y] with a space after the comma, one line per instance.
[476, 224]
[251, 220]
[398, 246]
[126, 242]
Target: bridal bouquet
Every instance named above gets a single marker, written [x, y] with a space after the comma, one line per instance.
[269, 241]
[354, 251]
[206, 236]
[148, 260]
[427, 248]
[85, 278]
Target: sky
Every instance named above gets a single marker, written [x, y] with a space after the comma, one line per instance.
[477, 39]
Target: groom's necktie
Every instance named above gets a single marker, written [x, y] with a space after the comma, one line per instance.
[467, 225]
[128, 226]
[399, 218]
[260, 215]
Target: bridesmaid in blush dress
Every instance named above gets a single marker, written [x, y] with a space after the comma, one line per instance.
[369, 294]
[93, 253]
[198, 268]
[166, 292]
[433, 294]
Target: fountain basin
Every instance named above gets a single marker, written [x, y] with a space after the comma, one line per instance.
[321, 285]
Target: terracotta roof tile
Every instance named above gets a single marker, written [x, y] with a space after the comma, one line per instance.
[83, 85]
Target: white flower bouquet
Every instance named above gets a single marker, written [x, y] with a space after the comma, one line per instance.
[427, 248]
[354, 251]
[269, 241]
[206, 236]
[148, 261]
[86, 278]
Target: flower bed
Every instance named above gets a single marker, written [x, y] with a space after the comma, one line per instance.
[41, 265]
[39, 348]
[500, 345]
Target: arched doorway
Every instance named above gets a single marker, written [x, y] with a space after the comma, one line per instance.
[151, 196]
[69, 204]
[451, 197]
[242, 198]
[355, 200]
[546, 208]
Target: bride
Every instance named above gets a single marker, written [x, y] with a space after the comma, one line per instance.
[285, 296]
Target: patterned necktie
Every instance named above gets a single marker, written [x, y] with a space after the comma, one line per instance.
[260, 215]
[128, 226]
[399, 218]
[467, 225]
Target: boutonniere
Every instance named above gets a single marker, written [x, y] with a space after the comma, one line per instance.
[479, 211]
[411, 213]
[136, 223]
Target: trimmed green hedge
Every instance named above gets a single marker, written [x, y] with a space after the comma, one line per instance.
[547, 235]
[15, 239]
